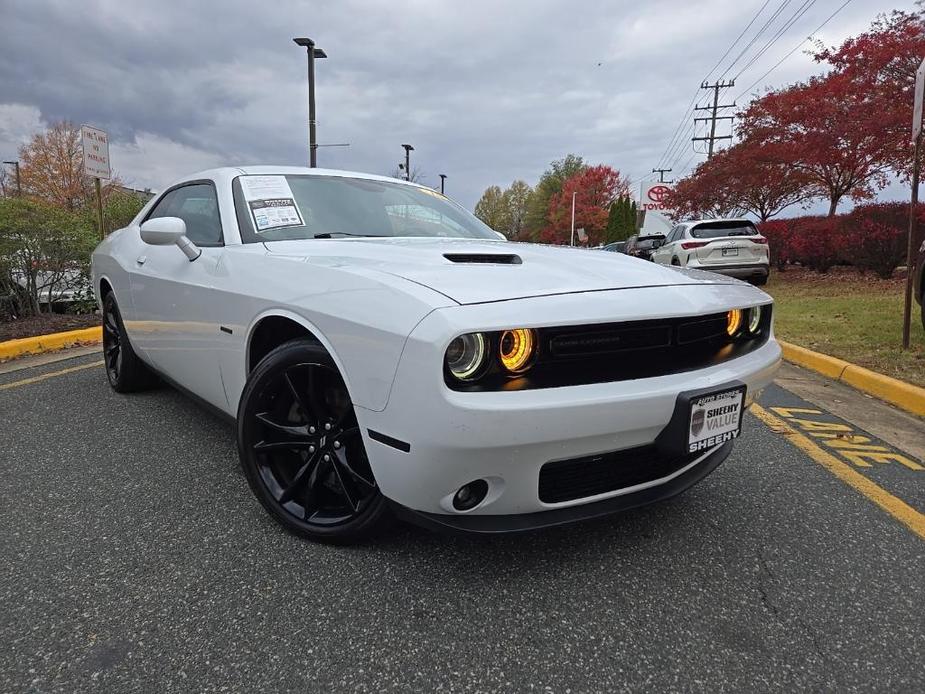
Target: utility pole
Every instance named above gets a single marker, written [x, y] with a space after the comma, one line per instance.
[713, 137]
[442, 181]
[312, 54]
[661, 174]
[574, 193]
[408, 150]
[18, 183]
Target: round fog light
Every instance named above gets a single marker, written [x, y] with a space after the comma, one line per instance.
[470, 495]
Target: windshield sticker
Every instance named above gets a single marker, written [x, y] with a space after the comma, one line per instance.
[271, 202]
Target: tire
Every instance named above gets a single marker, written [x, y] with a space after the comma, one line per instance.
[302, 451]
[125, 371]
[676, 262]
[760, 280]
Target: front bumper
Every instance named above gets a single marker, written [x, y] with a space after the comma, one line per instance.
[505, 437]
[538, 520]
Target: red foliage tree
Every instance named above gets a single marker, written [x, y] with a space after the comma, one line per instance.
[740, 180]
[881, 65]
[595, 187]
[825, 129]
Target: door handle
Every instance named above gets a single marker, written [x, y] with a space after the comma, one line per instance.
[141, 260]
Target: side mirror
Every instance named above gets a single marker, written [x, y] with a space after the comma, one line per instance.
[167, 231]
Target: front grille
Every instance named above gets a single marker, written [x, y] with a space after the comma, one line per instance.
[575, 355]
[565, 480]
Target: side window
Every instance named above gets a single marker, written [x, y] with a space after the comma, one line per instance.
[197, 205]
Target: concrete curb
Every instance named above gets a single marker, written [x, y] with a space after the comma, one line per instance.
[49, 343]
[904, 395]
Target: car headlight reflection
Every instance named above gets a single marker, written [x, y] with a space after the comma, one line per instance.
[516, 349]
[465, 356]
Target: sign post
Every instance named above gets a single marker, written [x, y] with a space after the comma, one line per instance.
[95, 144]
[914, 199]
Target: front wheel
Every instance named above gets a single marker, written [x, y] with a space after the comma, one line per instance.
[301, 448]
[125, 371]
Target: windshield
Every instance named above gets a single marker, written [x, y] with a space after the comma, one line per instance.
[281, 208]
[716, 230]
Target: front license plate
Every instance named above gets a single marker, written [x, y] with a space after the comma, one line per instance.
[730, 251]
[715, 419]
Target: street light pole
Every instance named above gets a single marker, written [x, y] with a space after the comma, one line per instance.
[574, 193]
[442, 181]
[312, 54]
[18, 183]
[408, 150]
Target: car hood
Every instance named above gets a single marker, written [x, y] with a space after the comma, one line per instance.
[478, 271]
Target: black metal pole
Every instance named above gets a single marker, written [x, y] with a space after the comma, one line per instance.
[442, 181]
[312, 141]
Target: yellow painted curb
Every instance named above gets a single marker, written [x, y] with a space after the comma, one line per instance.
[904, 395]
[49, 343]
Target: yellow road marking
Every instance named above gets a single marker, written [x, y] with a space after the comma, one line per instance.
[52, 374]
[900, 510]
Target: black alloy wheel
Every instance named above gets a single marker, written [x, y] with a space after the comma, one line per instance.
[112, 341]
[125, 371]
[301, 447]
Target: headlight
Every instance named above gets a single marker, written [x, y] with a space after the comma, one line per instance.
[516, 349]
[733, 322]
[465, 356]
[754, 320]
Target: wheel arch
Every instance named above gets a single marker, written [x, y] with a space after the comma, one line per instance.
[276, 326]
[103, 288]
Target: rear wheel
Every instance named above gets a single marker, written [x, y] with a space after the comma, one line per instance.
[125, 371]
[301, 449]
[676, 262]
[760, 280]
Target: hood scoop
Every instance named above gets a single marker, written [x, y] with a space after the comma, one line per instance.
[484, 258]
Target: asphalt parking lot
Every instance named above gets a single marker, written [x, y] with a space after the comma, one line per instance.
[134, 558]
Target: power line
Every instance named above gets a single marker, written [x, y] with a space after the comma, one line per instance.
[794, 49]
[755, 38]
[738, 38]
[794, 18]
[673, 142]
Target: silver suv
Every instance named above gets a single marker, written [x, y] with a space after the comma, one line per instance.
[731, 247]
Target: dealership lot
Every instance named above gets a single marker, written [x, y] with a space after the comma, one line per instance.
[136, 558]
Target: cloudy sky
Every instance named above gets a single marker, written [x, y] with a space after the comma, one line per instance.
[487, 92]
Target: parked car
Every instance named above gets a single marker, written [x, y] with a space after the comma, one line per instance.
[643, 246]
[382, 351]
[731, 247]
[615, 247]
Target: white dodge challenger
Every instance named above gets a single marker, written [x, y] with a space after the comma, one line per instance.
[384, 352]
